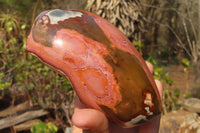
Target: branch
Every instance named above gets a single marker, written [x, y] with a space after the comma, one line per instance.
[177, 37]
[187, 35]
[34, 10]
[13, 120]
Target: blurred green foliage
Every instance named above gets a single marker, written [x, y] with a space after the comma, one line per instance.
[25, 78]
[3, 84]
[170, 95]
[41, 127]
[185, 62]
[138, 44]
[171, 100]
[186, 95]
[24, 8]
[158, 71]
[21, 71]
[9, 22]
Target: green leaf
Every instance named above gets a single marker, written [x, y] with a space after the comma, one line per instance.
[1, 44]
[52, 128]
[176, 93]
[41, 127]
[168, 79]
[13, 41]
[186, 95]
[23, 26]
[185, 62]
[138, 44]
[47, 87]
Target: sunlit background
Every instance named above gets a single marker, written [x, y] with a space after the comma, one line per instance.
[166, 33]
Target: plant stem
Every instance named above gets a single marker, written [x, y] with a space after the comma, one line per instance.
[34, 10]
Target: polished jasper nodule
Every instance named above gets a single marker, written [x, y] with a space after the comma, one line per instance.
[104, 68]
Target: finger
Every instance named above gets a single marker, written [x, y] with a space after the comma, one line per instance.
[160, 87]
[158, 83]
[150, 66]
[86, 118]
[76, 129]
[90, 119]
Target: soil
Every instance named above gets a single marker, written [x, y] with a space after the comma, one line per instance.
[187, 80]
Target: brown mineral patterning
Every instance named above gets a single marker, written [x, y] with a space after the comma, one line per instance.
[104, 68]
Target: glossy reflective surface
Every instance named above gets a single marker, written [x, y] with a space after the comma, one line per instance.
[104, 68]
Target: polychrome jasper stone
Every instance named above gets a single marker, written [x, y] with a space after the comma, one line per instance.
[104, 68]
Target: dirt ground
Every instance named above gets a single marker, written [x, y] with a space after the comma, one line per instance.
[187, 81]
